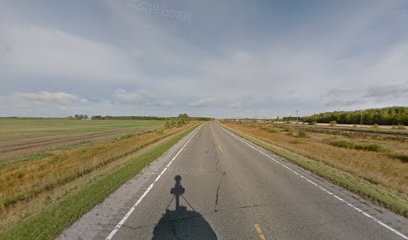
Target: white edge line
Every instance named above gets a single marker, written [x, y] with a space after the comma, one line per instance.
[119, 225]
[322, 188]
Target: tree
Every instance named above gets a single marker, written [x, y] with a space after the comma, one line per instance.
[389, 116]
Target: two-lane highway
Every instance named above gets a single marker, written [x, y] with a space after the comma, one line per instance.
[218, 186]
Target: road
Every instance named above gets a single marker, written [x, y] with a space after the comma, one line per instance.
[218, 186]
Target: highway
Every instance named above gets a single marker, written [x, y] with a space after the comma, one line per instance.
[219, 186]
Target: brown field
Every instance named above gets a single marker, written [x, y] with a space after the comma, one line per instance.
[377, 158]
[19, 137]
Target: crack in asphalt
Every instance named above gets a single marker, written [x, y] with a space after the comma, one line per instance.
[217, 160]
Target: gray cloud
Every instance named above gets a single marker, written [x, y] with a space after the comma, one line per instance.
[140, 97]
[44, 98]
[388, 92]
[60, 98]
[338, 92]
[372, 95]
[235, 105]
[341, 103]
[43, 103]
[204, 102]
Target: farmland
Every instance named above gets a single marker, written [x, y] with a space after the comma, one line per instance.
[19, 137]
[45, 162]
[371, 162]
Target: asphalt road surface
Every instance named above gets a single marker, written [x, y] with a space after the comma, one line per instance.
[219, 186]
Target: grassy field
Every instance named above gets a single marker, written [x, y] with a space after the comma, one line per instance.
[37, 187]
[21, 137]
[372, 165]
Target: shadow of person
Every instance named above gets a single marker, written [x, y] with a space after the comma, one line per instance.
[182, 223]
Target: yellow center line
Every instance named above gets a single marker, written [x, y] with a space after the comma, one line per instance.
[259, 231]
[219, 146]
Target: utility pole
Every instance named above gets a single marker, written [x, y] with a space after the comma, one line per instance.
[361, 118]
[297, 116]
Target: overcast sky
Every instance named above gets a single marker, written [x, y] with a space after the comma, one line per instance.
[215, 58]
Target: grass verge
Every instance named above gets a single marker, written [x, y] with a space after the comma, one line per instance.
[376, 193]
[51, 221]
[350, 145]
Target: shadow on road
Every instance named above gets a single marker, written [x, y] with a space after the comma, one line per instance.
[182, 223]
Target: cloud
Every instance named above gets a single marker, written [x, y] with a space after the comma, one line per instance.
[204, 102]
[235, 105]
[342, 103]
[42, 103]
[337, 92]
[388, 92]
[32, 50]
[59, 98]
[44, 98]
[401, 15]
[384, 94]
[140, 97]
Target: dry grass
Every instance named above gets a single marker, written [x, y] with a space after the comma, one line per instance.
[386, 168]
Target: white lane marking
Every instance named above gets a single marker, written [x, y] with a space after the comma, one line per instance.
[323, 189]
[119, 225]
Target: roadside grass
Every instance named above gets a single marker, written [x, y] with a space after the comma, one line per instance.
[49, 222]
[403, 158]
[31, 157]
[294, 132]
[302, 134]
[269, 129]
[373, 175]
[394, 133]
[38, 156]
[358, 146]
[125, 136]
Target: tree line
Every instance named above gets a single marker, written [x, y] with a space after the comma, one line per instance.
[380, 116]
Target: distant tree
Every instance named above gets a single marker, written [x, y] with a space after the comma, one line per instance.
[381, 116]
[183, 117]
[80, 116]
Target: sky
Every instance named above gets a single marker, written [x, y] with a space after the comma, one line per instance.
[217, 58]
